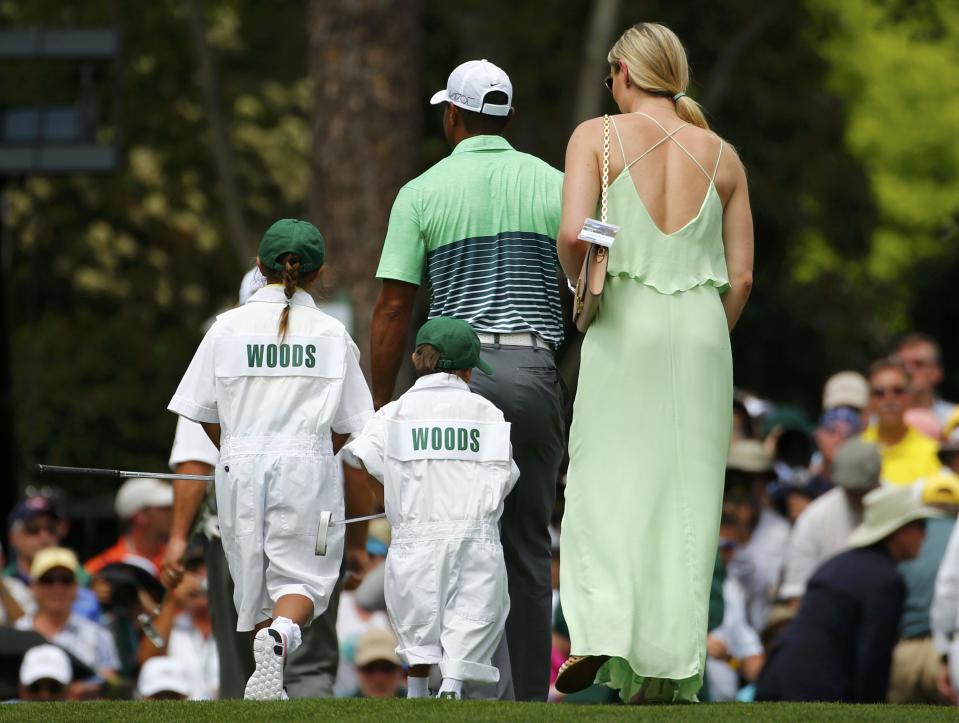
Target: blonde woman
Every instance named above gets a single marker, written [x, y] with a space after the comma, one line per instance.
[651, 425]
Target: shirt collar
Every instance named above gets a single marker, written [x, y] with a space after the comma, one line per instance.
[482, 143]
[871, 434]
[438, 381]
[273, 294]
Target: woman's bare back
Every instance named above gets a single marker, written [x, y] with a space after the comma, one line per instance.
[672, 174]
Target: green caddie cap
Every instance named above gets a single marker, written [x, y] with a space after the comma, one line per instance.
[292, 236]
[457, 343]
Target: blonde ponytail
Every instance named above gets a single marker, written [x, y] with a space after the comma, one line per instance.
[691, 112]
[656, 61]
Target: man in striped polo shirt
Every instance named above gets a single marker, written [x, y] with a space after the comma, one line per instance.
[482, 225]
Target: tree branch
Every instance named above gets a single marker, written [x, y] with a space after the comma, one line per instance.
[722, 70]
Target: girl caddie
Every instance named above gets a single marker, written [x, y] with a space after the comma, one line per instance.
[277, 386]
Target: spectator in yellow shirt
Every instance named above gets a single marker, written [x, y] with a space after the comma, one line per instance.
[907, 454]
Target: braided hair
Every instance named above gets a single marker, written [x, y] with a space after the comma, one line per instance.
[291, 279]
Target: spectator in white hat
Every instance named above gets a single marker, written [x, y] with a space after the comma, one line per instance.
[162, 678]
[839, 647]
[145, 506]
[45, 674]
[846, 389]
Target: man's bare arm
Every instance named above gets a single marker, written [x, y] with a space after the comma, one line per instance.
[213, 432]
[188, 495]
[358, 496]
[391, 326]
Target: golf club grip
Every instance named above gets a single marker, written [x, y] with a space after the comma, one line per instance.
[93, 471]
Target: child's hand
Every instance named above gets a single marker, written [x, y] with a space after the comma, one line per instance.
[357, 563]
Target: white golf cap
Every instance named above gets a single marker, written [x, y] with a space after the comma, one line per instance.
[252, 282]
[161, 674]
[141, 492]
[846, 389]
[468, 85]
[46, 661]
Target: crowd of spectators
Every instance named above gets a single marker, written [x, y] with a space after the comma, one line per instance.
[832, 538]
[837, 572]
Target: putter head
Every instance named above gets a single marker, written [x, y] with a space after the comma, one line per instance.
[323, 533]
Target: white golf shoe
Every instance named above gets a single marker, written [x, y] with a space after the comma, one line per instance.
[269, 654]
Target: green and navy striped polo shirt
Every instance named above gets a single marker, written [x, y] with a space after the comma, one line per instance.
[483, 224]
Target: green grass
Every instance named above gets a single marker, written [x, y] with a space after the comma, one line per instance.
[424, 711]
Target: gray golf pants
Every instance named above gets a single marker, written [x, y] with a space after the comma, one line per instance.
[526, 387]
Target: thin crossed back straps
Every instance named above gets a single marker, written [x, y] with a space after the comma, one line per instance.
[670, 136]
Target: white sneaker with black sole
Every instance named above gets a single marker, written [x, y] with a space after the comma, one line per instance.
[269, 654]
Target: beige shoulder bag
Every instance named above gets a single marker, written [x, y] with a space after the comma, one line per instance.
[600, 235]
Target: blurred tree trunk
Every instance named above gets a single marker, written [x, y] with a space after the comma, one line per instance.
[718, 83]
[366, 124]
[220, 149]
[596, 44]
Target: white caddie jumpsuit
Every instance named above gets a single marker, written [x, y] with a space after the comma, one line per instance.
[443, 456]
[276, 404]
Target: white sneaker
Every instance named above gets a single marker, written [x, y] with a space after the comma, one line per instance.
[269, 654]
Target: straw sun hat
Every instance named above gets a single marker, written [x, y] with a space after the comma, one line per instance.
[887, 509]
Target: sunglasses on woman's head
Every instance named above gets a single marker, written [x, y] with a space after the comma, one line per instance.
[57, 578]
[609, 78]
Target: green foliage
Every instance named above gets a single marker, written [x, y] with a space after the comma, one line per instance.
[844, 114]
[893, 64]
[114, 276]
[895, 70]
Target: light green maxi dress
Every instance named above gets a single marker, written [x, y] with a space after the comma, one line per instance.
[648, 443]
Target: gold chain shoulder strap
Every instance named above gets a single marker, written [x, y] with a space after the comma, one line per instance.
[603, 203]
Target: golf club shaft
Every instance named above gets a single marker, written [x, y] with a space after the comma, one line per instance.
[358, 519]
[117, 473]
